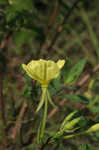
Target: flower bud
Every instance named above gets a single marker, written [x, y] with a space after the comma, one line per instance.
[94, 128]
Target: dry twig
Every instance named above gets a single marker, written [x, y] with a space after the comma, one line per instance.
[16, 129]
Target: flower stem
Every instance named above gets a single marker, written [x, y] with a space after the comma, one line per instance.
[45, 115]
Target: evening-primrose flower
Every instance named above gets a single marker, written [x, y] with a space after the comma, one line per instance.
[43, 70]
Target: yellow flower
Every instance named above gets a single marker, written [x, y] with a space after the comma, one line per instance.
[43, 70]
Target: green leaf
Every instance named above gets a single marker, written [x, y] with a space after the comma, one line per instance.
[77, 98]
[92, 34]
[27, 77]
[3, 1]
[94, 108]
[39, 134]
[11, 16]
[22, 5]
[57, 82]
[24, 36]
[75, 72]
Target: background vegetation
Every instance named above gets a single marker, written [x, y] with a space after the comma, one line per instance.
[58, 29]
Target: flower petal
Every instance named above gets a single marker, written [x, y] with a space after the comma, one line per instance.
[43, 70]
[52, 70]
[26, 69]
[60, 63]
[30, 73]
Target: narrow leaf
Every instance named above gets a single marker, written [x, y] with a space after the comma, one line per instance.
[39, 133]
[75, 72]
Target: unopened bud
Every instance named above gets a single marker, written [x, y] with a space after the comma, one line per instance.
[94, 128]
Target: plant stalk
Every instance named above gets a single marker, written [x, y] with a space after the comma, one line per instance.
[45, 115]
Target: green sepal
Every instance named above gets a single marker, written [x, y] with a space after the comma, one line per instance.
[44, 92]
[50, 100]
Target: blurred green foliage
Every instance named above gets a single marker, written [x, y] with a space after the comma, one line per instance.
[27, 30]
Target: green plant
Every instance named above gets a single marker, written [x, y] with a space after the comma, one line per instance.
[44, 71]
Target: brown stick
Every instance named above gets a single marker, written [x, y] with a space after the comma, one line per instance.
[86, 78]
[2, 106]
[52, 18]
[2, 112]
[2, 100]
[51, 21]
[5, 41]
[60, 28]
[54, 14]
[16, 129]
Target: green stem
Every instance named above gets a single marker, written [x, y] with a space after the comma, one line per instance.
[45, 115]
